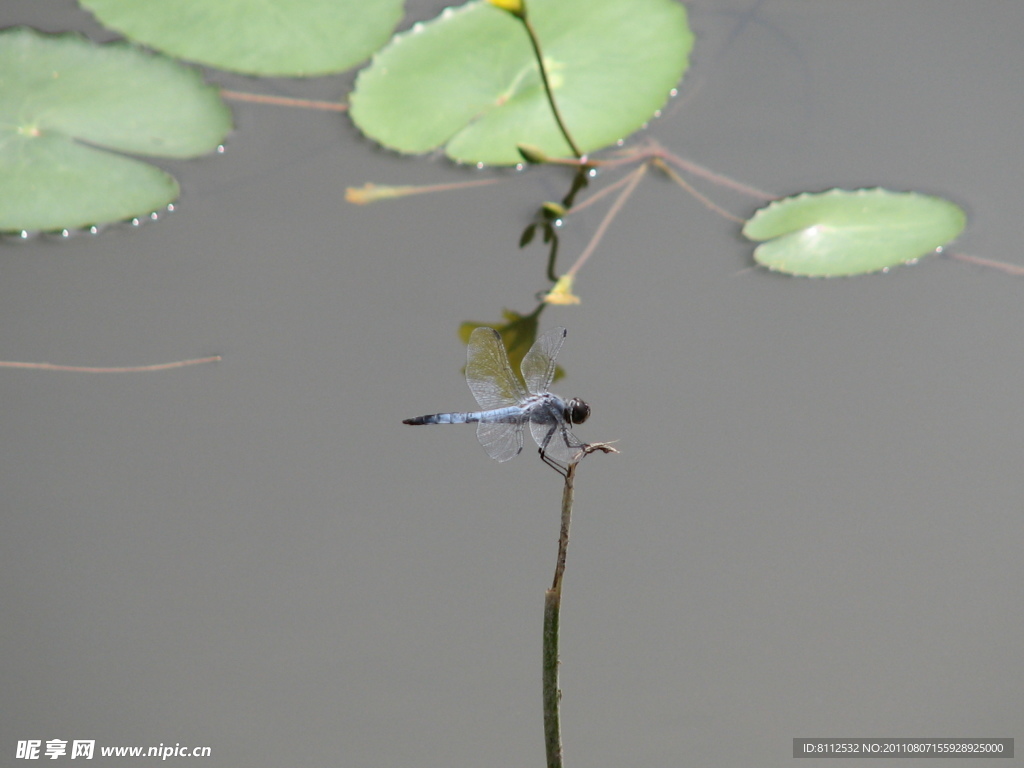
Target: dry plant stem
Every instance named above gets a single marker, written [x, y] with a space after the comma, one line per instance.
[283, 101]
[634, 179]
[552, 604]
[132, 369]
[563, 536]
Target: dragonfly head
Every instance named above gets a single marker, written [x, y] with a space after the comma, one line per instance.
[576, 411]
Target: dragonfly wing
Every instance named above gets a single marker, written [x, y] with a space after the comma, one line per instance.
[502, 441]
[557, 441]
[539, 363]
[489, 375]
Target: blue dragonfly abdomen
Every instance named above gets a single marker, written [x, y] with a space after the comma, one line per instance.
[510, 415]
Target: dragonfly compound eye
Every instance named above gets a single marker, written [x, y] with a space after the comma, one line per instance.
[578, 411]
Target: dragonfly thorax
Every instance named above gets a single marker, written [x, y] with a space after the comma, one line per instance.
[576, 411]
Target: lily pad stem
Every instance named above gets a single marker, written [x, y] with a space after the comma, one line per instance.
[547, 84]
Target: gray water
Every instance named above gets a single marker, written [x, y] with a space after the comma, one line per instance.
[813, 529]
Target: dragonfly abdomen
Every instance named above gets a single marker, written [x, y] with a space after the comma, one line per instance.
[444, 418]
[510, 415]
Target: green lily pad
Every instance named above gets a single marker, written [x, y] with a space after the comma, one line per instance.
[842, 232]
[468, 80]
[297, 38]
[64, 102]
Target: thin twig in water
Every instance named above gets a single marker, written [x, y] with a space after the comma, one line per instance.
[88, 369]
[284, 101]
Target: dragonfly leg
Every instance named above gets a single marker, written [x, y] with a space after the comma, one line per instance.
[559, 467]
[555, 465]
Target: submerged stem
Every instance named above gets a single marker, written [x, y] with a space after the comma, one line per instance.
[634, 179]
[706, 201]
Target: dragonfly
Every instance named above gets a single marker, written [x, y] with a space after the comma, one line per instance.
[508, 408]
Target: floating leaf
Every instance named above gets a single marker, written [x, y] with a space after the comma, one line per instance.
[843, 232]
[64, 101]
[468, 80]
[297, 38]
